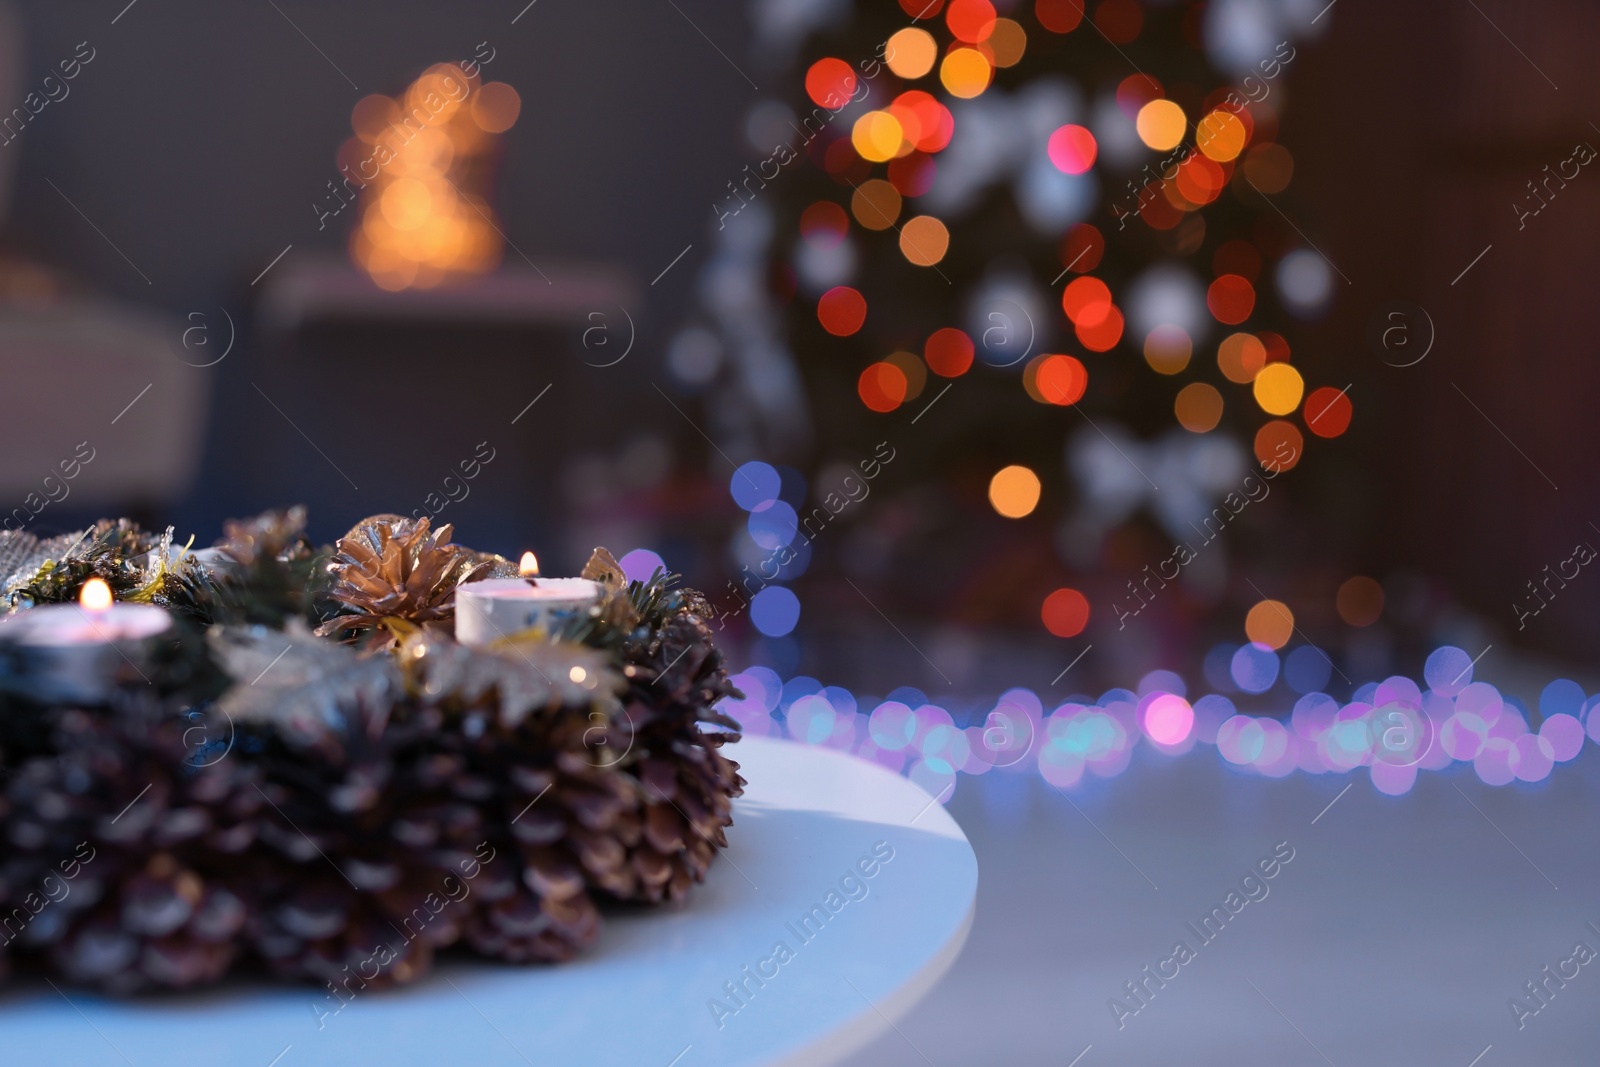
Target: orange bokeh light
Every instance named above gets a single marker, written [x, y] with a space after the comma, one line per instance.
[1061, 380]
[1359, 601]
[1086, 300]
[1270, 623]
[882, 386]
[1102, 336]
[418, 159]
[1279, 446]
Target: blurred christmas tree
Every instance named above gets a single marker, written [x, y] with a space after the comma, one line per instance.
[1038, 248]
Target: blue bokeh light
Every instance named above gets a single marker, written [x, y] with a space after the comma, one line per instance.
[775, 610]
[755, 483]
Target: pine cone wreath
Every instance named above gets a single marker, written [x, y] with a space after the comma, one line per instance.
[276, 798]
[120, 853]
[688, 785]
[263, 571]
[675, 678]
[416, 801]
[397, 575]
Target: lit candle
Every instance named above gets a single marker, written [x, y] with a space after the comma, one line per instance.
[494, 608]
[77, 652]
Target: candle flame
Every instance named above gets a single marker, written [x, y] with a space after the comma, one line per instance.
[529, 567]
[96, 595]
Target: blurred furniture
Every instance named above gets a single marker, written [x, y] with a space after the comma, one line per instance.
[84, 377]
[641, 995]
[370, 399]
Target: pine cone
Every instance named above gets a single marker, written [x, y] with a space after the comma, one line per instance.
[272, 535]
[397, 575]
[118, 865]
[412, 799]
[684, 785]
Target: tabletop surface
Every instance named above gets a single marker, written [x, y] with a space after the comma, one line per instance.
[843, 896]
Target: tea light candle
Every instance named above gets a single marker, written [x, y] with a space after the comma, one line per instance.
[76, 652]
[494, 608]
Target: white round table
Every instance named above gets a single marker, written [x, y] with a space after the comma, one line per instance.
[844, 894]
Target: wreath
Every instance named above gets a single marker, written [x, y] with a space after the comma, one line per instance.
[306, 772]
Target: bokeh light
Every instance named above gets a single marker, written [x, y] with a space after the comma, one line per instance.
[970, 20]
[1014, 491]
[1328, 411]
[1254, 668]
[775, 611]
[1087, 301]
[1061, 380]
[424, 218]
[1220, 135]
[1082, 248]
[965, 73]
[754, 484]
[1168, 719]
[1268, 167]
[1065, 612]
[773, 525]
[1103, 335]
[830, 83]
[1161, 124]
[877, 136]
[1269, 623]
[1278, 389]
[913, 368]
[1072, 149]
[824, 224]
[1057, 16]
[1359, 601]
[949, 352]
[495, 107]
[842, 310]
[1231, 298]
[875, 204]
[924, 240]
[1168, 349]
[1198, 407]
[882, 386]
[640, 564]
[911, 53]
[1278, 446]
[1007, 42]
[1240, 357]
